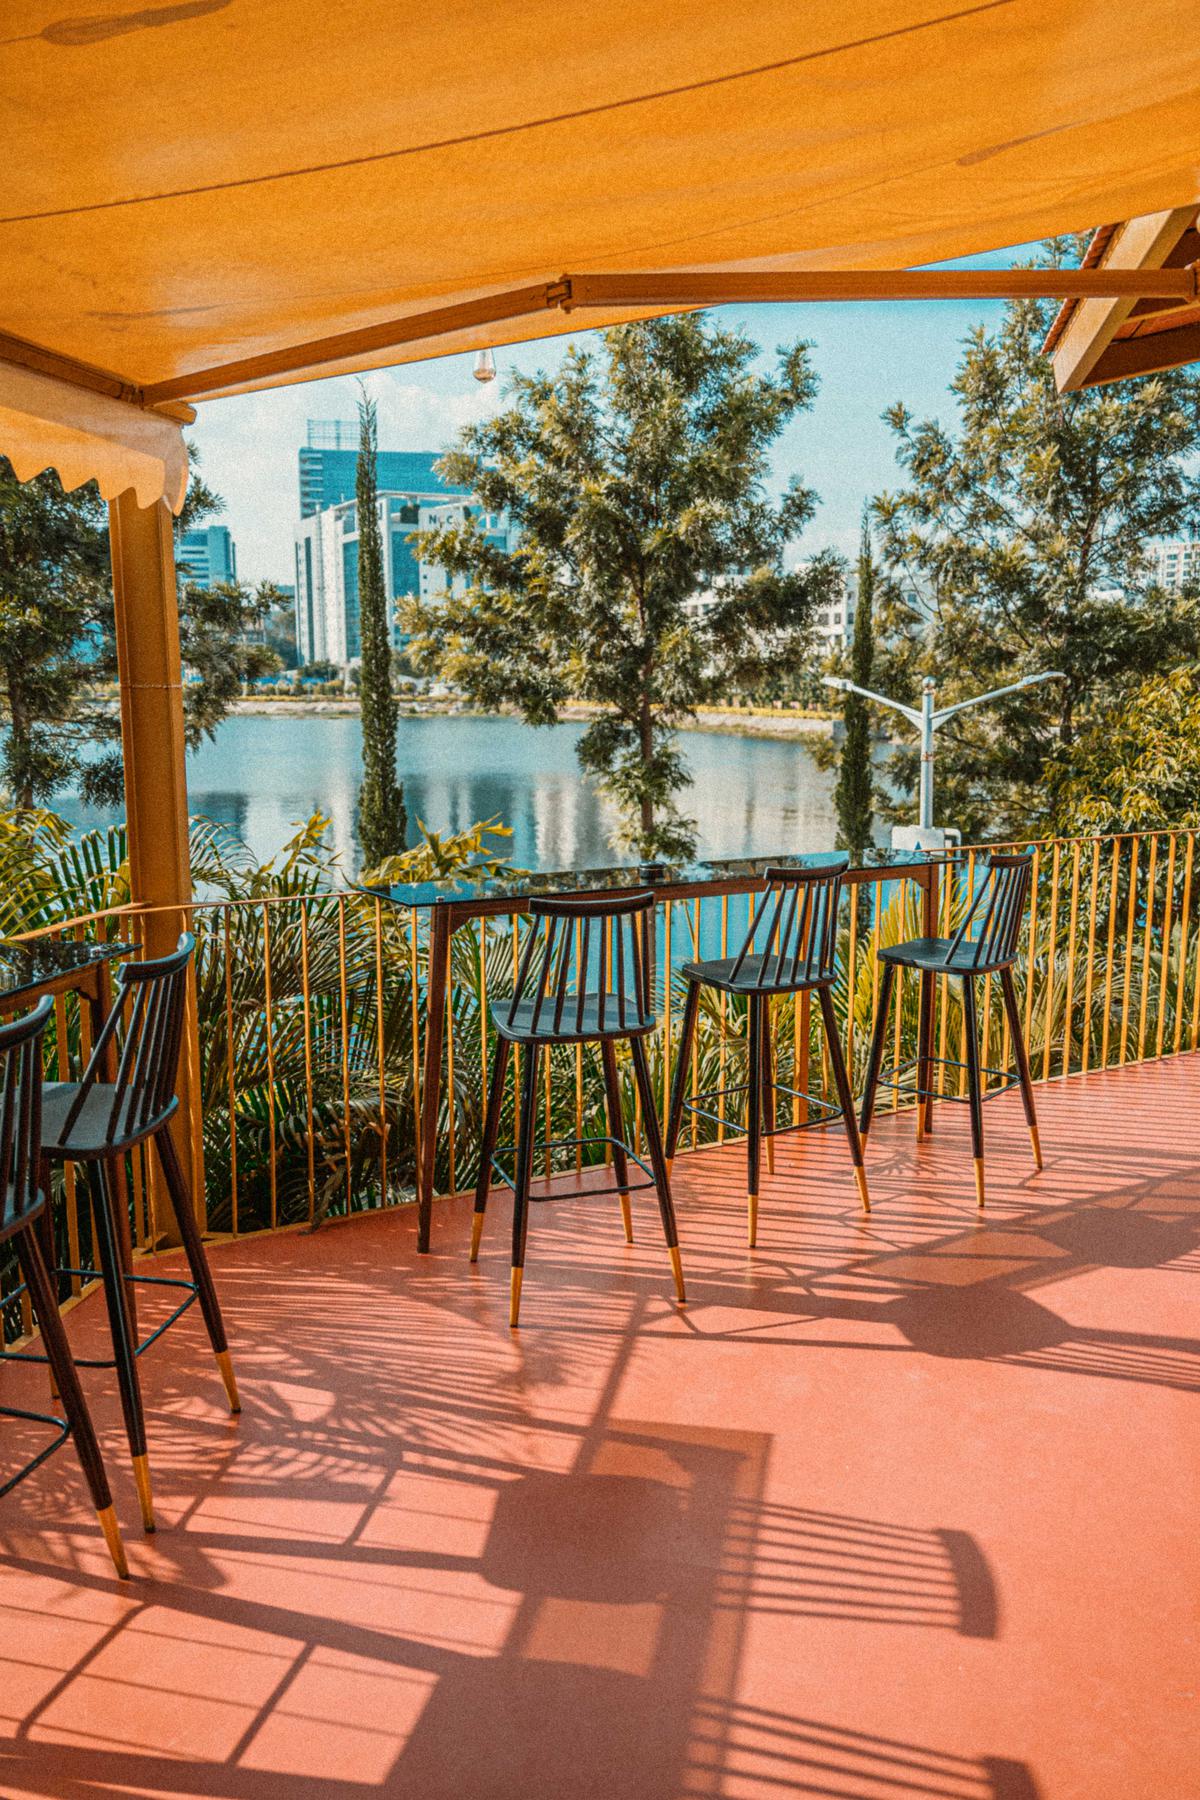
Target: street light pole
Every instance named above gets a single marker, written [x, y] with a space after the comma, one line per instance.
[926, 721]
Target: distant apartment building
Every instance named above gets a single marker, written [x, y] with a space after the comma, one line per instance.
[1176, 563]
[327, 605]
[207, 556]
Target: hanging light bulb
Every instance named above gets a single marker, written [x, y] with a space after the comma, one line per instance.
[485, 366]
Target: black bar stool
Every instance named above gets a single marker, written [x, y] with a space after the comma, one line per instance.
[22, 1205]
[585, 978]
[798, 954]
[97, 1122]
[992, 951]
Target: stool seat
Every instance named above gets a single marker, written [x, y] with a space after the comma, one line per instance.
[942, 956]
[750, 975]
[90, 1134]
[578, 1025]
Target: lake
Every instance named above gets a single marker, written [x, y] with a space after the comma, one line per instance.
[749, 796]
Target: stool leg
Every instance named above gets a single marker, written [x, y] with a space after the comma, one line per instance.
[193, 1246]
[974, 1086]
[925, 1052]
[616, 1130]
[525, 1151]
[54, 1338]
[1009, 990]
[753, 1116]
[491, 1131]
[767, 1087]
[658, 1161]
[875, 1060]
[841, 1081]
[124, 1349]
[45, 1233]
[679, 1085]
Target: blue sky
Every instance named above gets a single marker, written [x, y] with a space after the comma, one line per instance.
[866, 356]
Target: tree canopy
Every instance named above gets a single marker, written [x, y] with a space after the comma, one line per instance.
[1025, 527]
[645, 574]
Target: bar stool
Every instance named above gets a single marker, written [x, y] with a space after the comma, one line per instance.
[566, 994]
[97, 1122]
[22, 1205]
[993, 951]
[798, 954]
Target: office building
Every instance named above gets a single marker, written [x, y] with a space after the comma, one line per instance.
[207, 556]
[329, 463]
[327, 607]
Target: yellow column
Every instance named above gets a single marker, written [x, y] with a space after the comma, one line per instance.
[152, 743]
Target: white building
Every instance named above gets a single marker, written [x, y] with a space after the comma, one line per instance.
[1176, 562]
[327, 614]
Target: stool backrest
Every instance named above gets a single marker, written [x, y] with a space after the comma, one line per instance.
[146, 1026]
[21, 1116]
[590, 950]
[796, 926]
[998, 905]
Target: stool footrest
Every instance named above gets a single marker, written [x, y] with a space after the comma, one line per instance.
[62, 1432]
[1005, 1082]
[107, 1362]
[829, 1112]
[573, 1143]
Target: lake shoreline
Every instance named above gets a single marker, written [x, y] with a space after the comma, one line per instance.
[731, 721]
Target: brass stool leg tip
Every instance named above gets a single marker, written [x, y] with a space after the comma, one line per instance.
[514, 1298]
[627, 1218]
[677, 1271]
[979, 1179]
[112, 1537]
[1036, 1141]
[476, 1235]
[225, 1364]
[860, 1175]
[751, 1220]
[141, 1477]
[670, 1166]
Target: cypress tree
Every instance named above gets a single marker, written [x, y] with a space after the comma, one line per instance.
[852, 795]
[382, 821]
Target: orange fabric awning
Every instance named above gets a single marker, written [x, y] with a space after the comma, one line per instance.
[192, 184]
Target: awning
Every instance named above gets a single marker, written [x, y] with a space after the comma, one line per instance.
[46, 423]
[200, 195]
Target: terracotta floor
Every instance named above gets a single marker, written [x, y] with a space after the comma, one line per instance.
[896, 1507]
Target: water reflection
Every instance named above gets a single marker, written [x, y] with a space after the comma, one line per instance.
[262, 775]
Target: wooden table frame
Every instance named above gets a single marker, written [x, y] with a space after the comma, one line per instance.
[447, 916]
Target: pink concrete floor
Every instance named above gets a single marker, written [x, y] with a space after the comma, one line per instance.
[900, 1506]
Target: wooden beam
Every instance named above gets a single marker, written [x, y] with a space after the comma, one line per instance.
[680, 288]
[674, 290]
[368, 340]
[1146, 355]
[40, 361]
[1140, 246]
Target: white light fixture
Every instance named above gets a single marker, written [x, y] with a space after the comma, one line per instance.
[485, 366]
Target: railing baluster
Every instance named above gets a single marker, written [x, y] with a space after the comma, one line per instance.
[1090, 975]
[1069, 996]
[229, 1072]
[1165, 959]
[1184, 922]
[272, 1166]
[306, 1004]
[1147, 947]
[1131, 913]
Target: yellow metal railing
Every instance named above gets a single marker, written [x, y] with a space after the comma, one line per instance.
[311, 1023]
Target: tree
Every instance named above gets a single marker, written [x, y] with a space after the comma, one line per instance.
[853, 791]
[56, 636]
[382, 822]
[1025, 527]
[646, 576]
[57, 643]
[1136, 765]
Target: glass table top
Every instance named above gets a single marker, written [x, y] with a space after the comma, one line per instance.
[26, 967]
[629, 878]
